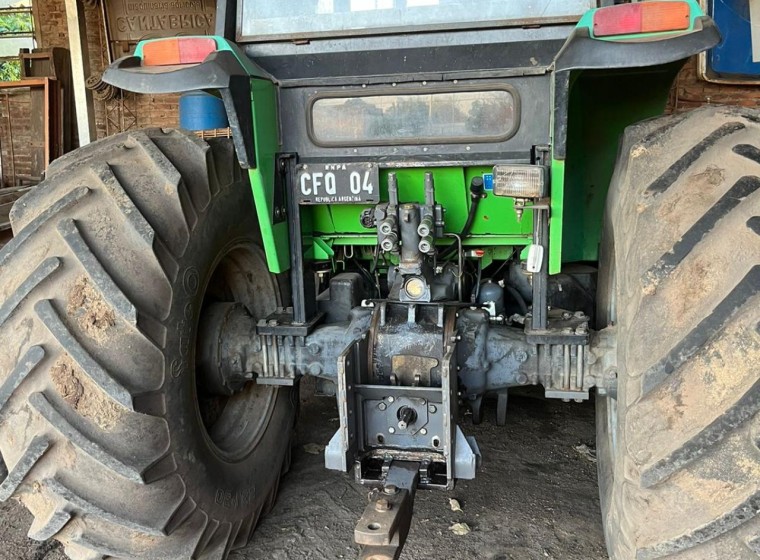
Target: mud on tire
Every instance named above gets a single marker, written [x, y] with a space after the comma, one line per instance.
[101, 437]
[679, 462]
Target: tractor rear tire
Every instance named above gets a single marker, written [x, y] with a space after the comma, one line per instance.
[678, 457]
[105, 433]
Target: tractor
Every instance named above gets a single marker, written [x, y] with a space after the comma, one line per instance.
[422, 204]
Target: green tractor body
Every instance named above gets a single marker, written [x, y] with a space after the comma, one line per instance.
[421, 204]
[586, 103]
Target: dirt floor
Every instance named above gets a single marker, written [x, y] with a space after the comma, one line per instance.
[535, 496]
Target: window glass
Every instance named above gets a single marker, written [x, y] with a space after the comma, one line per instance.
[16, 32]
[414, 118]
[262, 18]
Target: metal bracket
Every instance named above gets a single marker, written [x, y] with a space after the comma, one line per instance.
[384, 525]
[281, 323]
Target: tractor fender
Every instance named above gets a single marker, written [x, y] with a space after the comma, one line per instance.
[221, 72]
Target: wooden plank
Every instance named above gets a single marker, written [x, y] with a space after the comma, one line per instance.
[80, 71]
[27, 82]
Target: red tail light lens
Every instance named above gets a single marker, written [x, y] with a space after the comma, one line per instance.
[165, 52]
[642, 17]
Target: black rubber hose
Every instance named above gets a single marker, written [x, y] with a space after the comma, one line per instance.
[518, 299]
[476, 193]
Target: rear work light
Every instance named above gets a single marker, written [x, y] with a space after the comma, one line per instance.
[166, 52]
[519, 181]
[642, 17]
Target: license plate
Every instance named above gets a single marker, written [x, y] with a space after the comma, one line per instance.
[338, 183]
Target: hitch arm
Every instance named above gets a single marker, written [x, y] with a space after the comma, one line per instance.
[384, 525]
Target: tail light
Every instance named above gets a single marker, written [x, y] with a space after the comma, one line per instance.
[642, 17]
[164, 52]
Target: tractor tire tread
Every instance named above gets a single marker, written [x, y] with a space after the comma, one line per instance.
[54, 468]
[688, 185]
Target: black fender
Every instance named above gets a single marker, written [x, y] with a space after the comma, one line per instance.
[220, 72]
[581, 52]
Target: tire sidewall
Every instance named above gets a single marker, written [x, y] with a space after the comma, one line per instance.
[225, 490]
[605, 404]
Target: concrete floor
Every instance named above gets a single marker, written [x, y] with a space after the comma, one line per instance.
[535, 497]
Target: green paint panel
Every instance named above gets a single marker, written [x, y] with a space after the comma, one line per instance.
[265, 127]
[602, 104]
[557, 175]
[495, 224]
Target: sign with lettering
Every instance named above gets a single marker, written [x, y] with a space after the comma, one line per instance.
[130, 21]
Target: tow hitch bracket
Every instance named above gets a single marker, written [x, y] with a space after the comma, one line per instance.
[384, 526]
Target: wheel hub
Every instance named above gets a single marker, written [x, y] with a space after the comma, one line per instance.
[225, 356]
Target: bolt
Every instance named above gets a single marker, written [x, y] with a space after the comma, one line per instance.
[521, 356]
[391, 399]
[391, 489]
[391, 430]
[382, 406]
[432, 409]
[382, 505]
[522, 379]
[423, 431]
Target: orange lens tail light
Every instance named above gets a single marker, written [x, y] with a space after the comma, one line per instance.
[642, 17]
[177, 51]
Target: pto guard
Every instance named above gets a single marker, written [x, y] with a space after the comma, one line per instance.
[225, 70]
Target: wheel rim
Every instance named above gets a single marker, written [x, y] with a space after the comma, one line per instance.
[612, 421]
[611, 407]
[233, 425]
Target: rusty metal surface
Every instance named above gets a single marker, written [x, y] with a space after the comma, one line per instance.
[384, 526]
